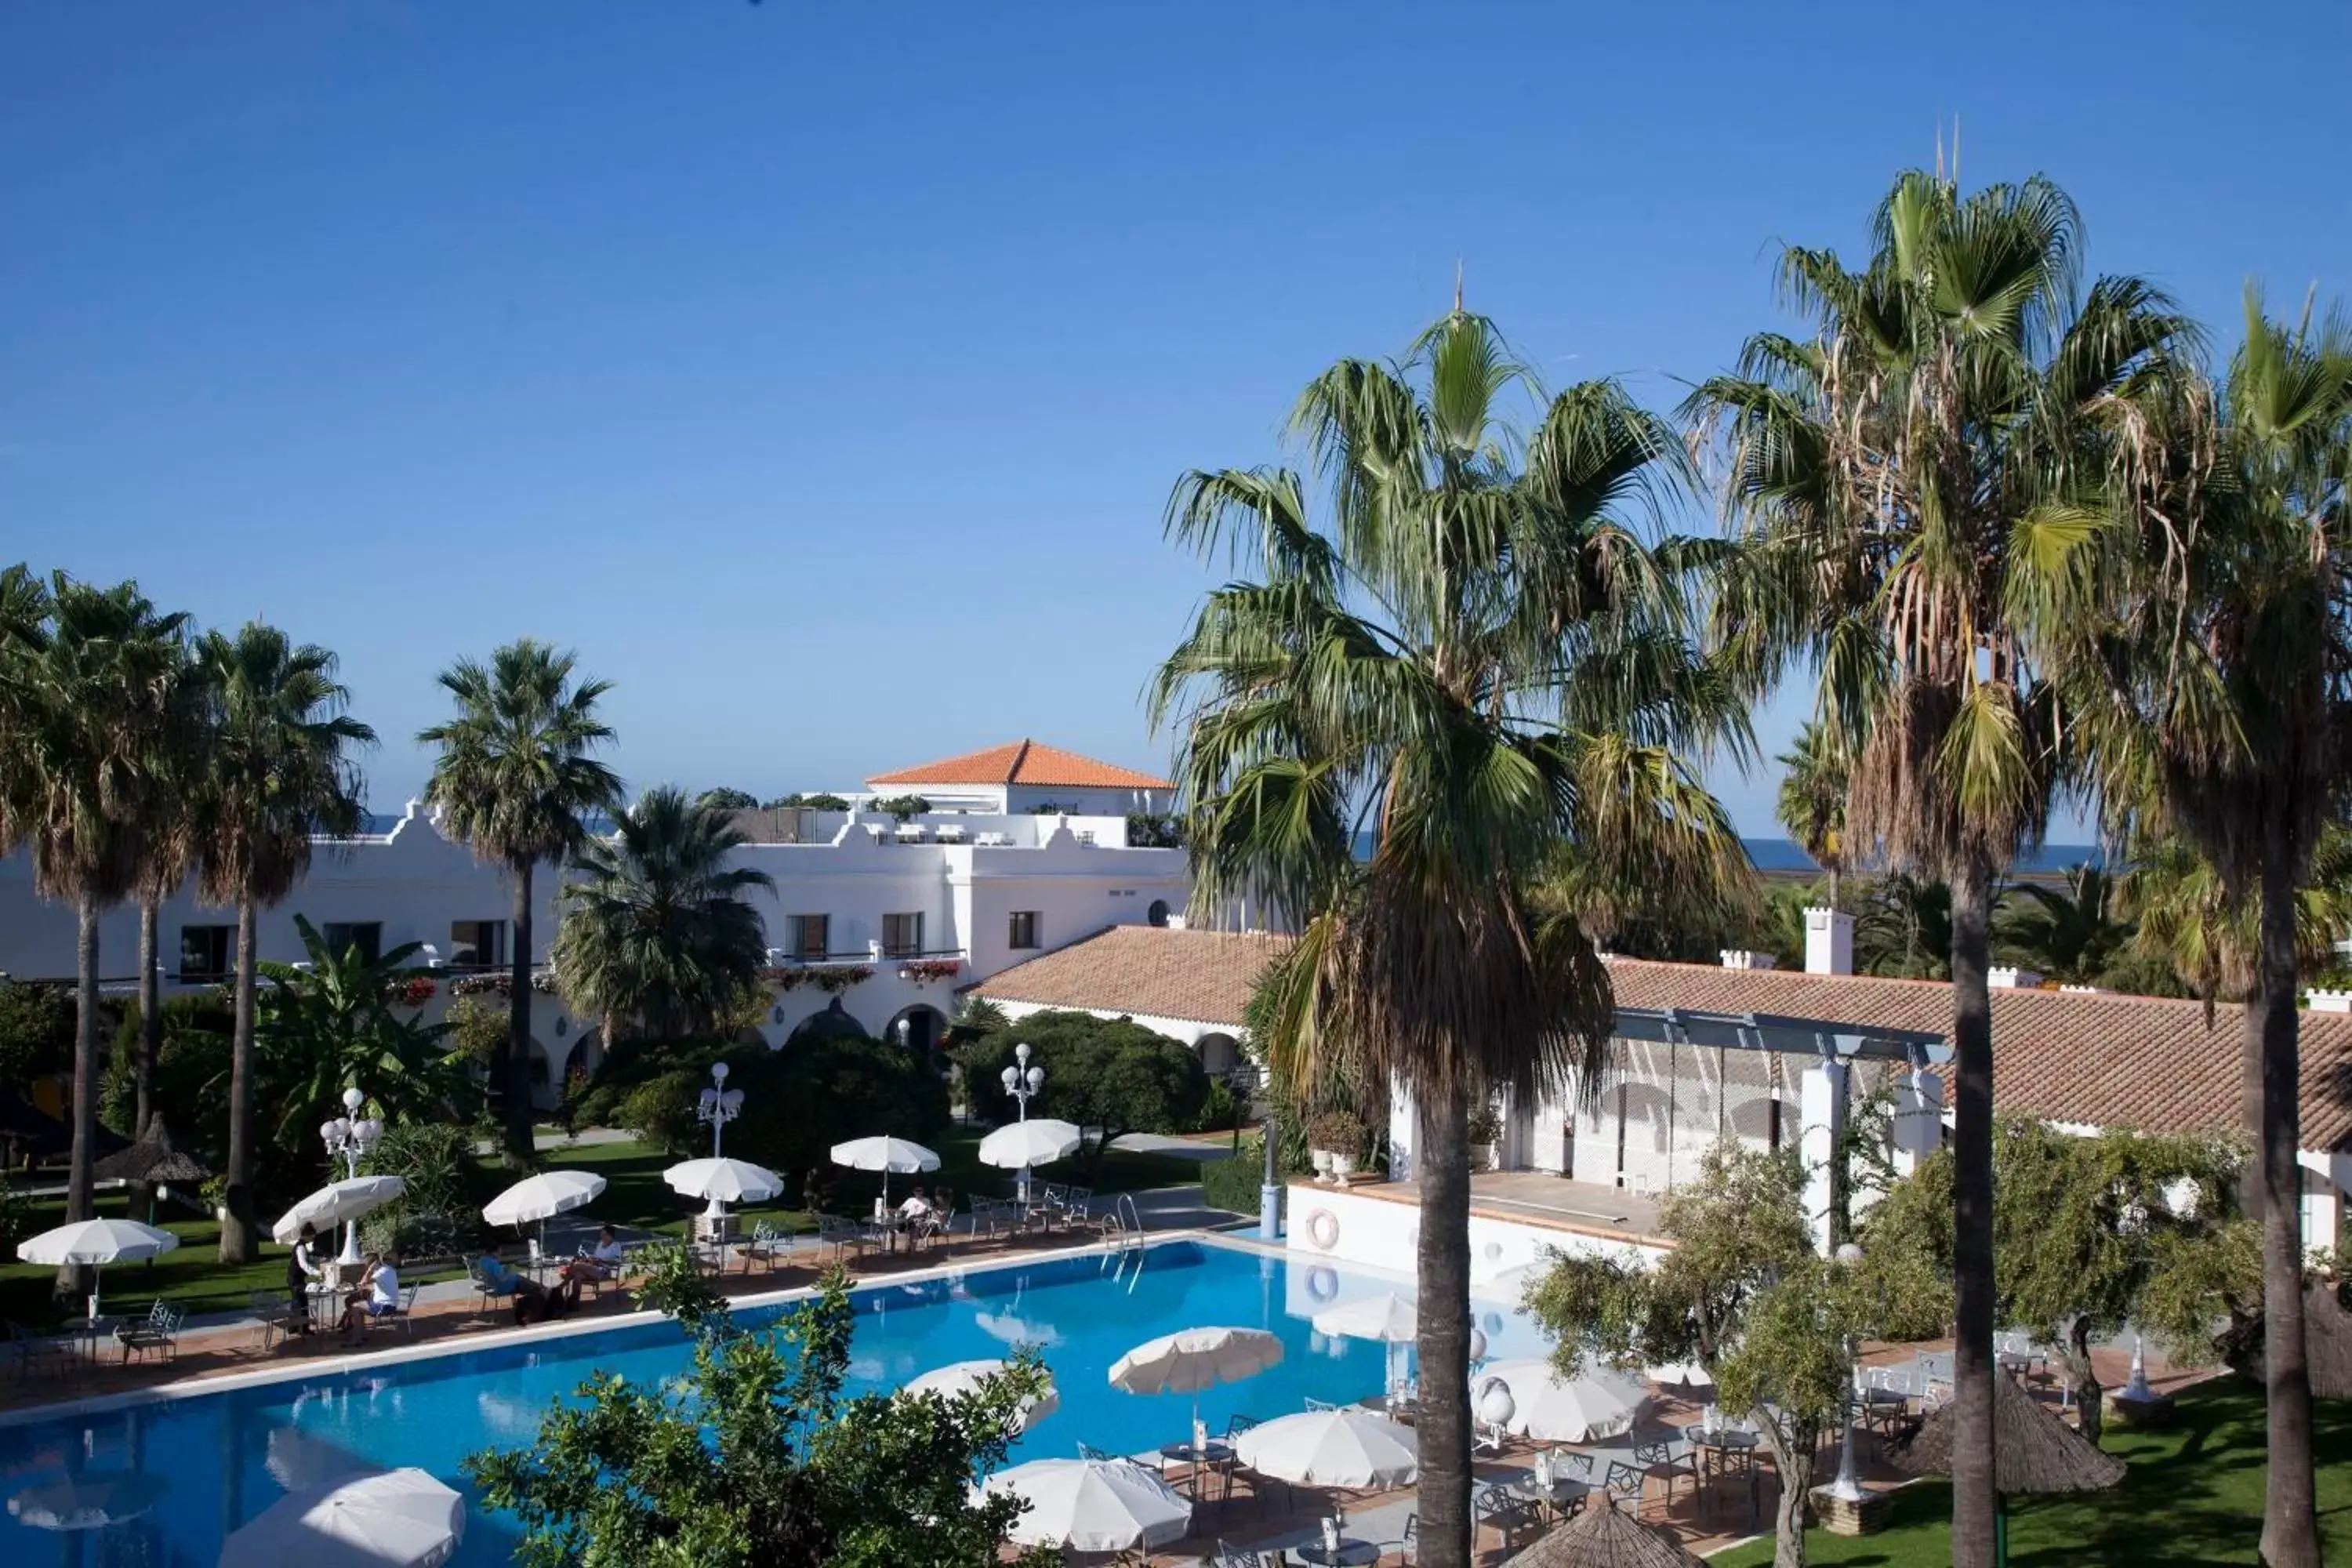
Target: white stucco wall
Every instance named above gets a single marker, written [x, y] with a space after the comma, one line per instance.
[1378, 1232]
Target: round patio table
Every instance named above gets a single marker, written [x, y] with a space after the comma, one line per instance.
[1717, 1447]
[1351, 1554]
[1197, 1460]
[1562, 1491]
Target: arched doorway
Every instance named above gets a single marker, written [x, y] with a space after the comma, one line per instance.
[1158, 913]
[832, 1022]
[542, 1077]
[919, 1029]
[1219, 1054]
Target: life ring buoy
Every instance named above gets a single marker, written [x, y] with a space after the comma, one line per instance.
[1322, 1282]
[1323, 1230]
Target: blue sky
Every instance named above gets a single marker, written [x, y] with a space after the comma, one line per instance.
[820, 374]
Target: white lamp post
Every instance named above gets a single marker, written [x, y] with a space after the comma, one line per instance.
[1847, 1487]
[719, 1106]
[1022, 1083]
[349, 1136]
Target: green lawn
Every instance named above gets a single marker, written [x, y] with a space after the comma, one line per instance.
[2194, 1495]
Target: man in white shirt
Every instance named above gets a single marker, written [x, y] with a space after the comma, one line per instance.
[380, 1299]
[917, 1206]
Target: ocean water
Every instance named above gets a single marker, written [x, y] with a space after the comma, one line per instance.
[215, 1460]
[1783, 854]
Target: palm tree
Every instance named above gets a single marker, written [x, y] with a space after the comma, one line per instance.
[655, 930]
[515, 780]
[2185, 921]
[89, 686]
[2065, 932]
[2221, 705]
[329, 1026]
[171, 854]
[1920, 481]
[279, 773]
[1485, 669]
[1811, 805]
[1905, 928]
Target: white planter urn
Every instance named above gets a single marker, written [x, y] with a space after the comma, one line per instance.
[1324, 1159]
[1342, 1167]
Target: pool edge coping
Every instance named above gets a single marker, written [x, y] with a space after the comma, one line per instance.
[544, 1333]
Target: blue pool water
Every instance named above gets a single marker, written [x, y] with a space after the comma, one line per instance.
[223, 1458]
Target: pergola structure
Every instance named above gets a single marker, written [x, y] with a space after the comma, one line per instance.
[1823, 1088]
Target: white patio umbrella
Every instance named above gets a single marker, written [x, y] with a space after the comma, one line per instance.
[963, 1377]
[541, 1197]
[87, 1501]
[1388, 1319]
[1020, 1145]
[1091, 1505]
[1679, 1374]
[1352, 1449]
[1594, 1405]
[723, 1181]
[335, 1203]
[392, 1518]
[97, 1242]
[886, 1155]
[1191, 1360]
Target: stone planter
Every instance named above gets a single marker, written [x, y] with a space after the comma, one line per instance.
[1323, 1160]
[1839, 1516]
[1342, 1167]
[1485, 1156]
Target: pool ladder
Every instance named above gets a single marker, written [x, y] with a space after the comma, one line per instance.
[1122, 1226]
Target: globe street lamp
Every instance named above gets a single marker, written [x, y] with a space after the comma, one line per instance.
[719, 1106]
[1022, 1083]
[1847, 1487]
[350, 1136]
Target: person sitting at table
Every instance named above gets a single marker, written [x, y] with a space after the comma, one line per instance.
[501, 1280]
[378, 1297]
[916, 1208]
[301, 1269]
[604, 1263]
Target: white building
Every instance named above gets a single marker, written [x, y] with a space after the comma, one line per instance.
[874, 922]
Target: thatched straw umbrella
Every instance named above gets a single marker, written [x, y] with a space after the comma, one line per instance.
[153, 1162]
[1601, 1537]
[2034, 1452]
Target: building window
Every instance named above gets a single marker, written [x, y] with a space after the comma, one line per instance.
[206, 952]
[481, 944]
[812, 936]
[902, 935]
[366, 935]
[1024, 928]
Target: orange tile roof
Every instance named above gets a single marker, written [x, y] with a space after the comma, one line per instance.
[1024, 761]
[2099, 1059]
[1199, 976]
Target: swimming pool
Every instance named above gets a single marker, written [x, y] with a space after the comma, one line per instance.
[223, 1458]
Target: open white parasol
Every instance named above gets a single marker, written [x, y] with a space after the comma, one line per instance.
[962, 1377]
[1352, 1449]
[335, 1203]
[1594, 1405]
[1091, 1505]
[392, 1518]
[886, 1155]
[97, 1242]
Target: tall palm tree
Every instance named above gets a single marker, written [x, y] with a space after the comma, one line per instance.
[515, 781]
[1485, 668]
[170, 855]
[88, 680]
[2068, 932]
[1920, 481]
[1814, 776]
[279, 773]
[2227, 689]
[655, 927]
[2184, 919]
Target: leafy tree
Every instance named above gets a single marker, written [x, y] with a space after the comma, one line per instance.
[37, 1032]
[336, 1026]
[1922, 481]
[190, 1077]
[724, 799]
[761, 1458]
[797, 801]
[1110, 1077]
[656, 931]
[2083, 1229]
[2068, 935]
[1480, 658]
[2189, 924]
[444, 1187]
[1743, 1295]
[515, 780]
[276, 772]
[1814, 777]
[91, 702]
[2218, 702]
[1154, 830]
[905, 807]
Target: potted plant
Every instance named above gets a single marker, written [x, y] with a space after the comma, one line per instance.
[1337, 1140]
[1486, 1139]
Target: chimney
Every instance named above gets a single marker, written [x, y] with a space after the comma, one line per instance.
[1829, 942]
[2330, 1001]
[2003, 977]
[1741, 958]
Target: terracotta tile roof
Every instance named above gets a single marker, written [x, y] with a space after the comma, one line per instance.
[1197, 975]
[1024, 761]
[2080, 1056]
